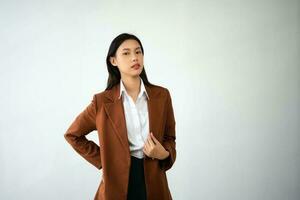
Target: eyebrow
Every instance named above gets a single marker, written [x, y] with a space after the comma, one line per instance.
[129, 49]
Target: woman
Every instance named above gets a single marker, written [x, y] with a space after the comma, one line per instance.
[136, 129]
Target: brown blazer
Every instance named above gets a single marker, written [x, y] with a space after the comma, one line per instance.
[105, 113]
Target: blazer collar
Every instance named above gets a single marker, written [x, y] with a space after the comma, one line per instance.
[115, 111]
[114, 93]
[142, 90]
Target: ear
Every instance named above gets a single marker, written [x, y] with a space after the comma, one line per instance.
[113, 61]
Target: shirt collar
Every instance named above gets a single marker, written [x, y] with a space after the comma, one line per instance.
[142, 90]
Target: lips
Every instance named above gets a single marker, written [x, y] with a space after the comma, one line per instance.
[135, 66]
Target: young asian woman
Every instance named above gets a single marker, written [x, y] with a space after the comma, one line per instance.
[135, 123]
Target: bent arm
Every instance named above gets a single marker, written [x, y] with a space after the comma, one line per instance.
[83, 124]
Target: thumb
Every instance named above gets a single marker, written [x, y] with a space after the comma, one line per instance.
[153, 137]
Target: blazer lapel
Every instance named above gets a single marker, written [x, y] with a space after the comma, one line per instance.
[116, 114]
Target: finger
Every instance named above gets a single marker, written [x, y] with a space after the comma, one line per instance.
[153, 138]
[146, 145]
[145, 150]
[150, 147]
[150, 141]
[150, 137]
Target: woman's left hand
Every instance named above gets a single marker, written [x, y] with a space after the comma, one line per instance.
[154, 149]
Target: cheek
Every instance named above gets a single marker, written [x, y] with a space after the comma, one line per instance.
[124, 67]
[121, 68]
[125, 63]
[141, 58]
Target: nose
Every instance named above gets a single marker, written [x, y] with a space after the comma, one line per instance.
[134, 58]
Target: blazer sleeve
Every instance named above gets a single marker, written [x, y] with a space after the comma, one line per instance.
[169, 135]
[83, 124]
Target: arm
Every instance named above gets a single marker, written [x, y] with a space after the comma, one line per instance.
[169, 136]
[83, 124]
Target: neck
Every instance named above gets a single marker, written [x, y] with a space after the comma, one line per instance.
[132, 84]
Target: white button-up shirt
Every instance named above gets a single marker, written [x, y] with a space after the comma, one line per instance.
[137, 120]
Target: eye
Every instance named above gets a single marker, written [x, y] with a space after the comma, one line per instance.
[125, 53]
[139, 52]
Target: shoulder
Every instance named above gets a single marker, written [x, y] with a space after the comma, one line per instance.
[160, 90]
[101, 94]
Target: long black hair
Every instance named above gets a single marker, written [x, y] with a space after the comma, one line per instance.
[114, 73]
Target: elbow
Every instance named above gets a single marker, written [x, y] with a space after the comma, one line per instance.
[67, 137]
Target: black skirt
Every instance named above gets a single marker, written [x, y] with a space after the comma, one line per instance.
[136, 185]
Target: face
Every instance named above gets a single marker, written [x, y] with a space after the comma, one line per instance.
[127, 55]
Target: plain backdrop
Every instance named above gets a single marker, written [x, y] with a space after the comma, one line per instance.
[232, 68]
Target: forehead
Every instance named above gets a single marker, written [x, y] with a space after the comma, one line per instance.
[129, 44]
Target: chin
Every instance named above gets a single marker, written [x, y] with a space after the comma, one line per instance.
[136, 74]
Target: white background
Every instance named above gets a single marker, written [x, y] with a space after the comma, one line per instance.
[232, 68]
